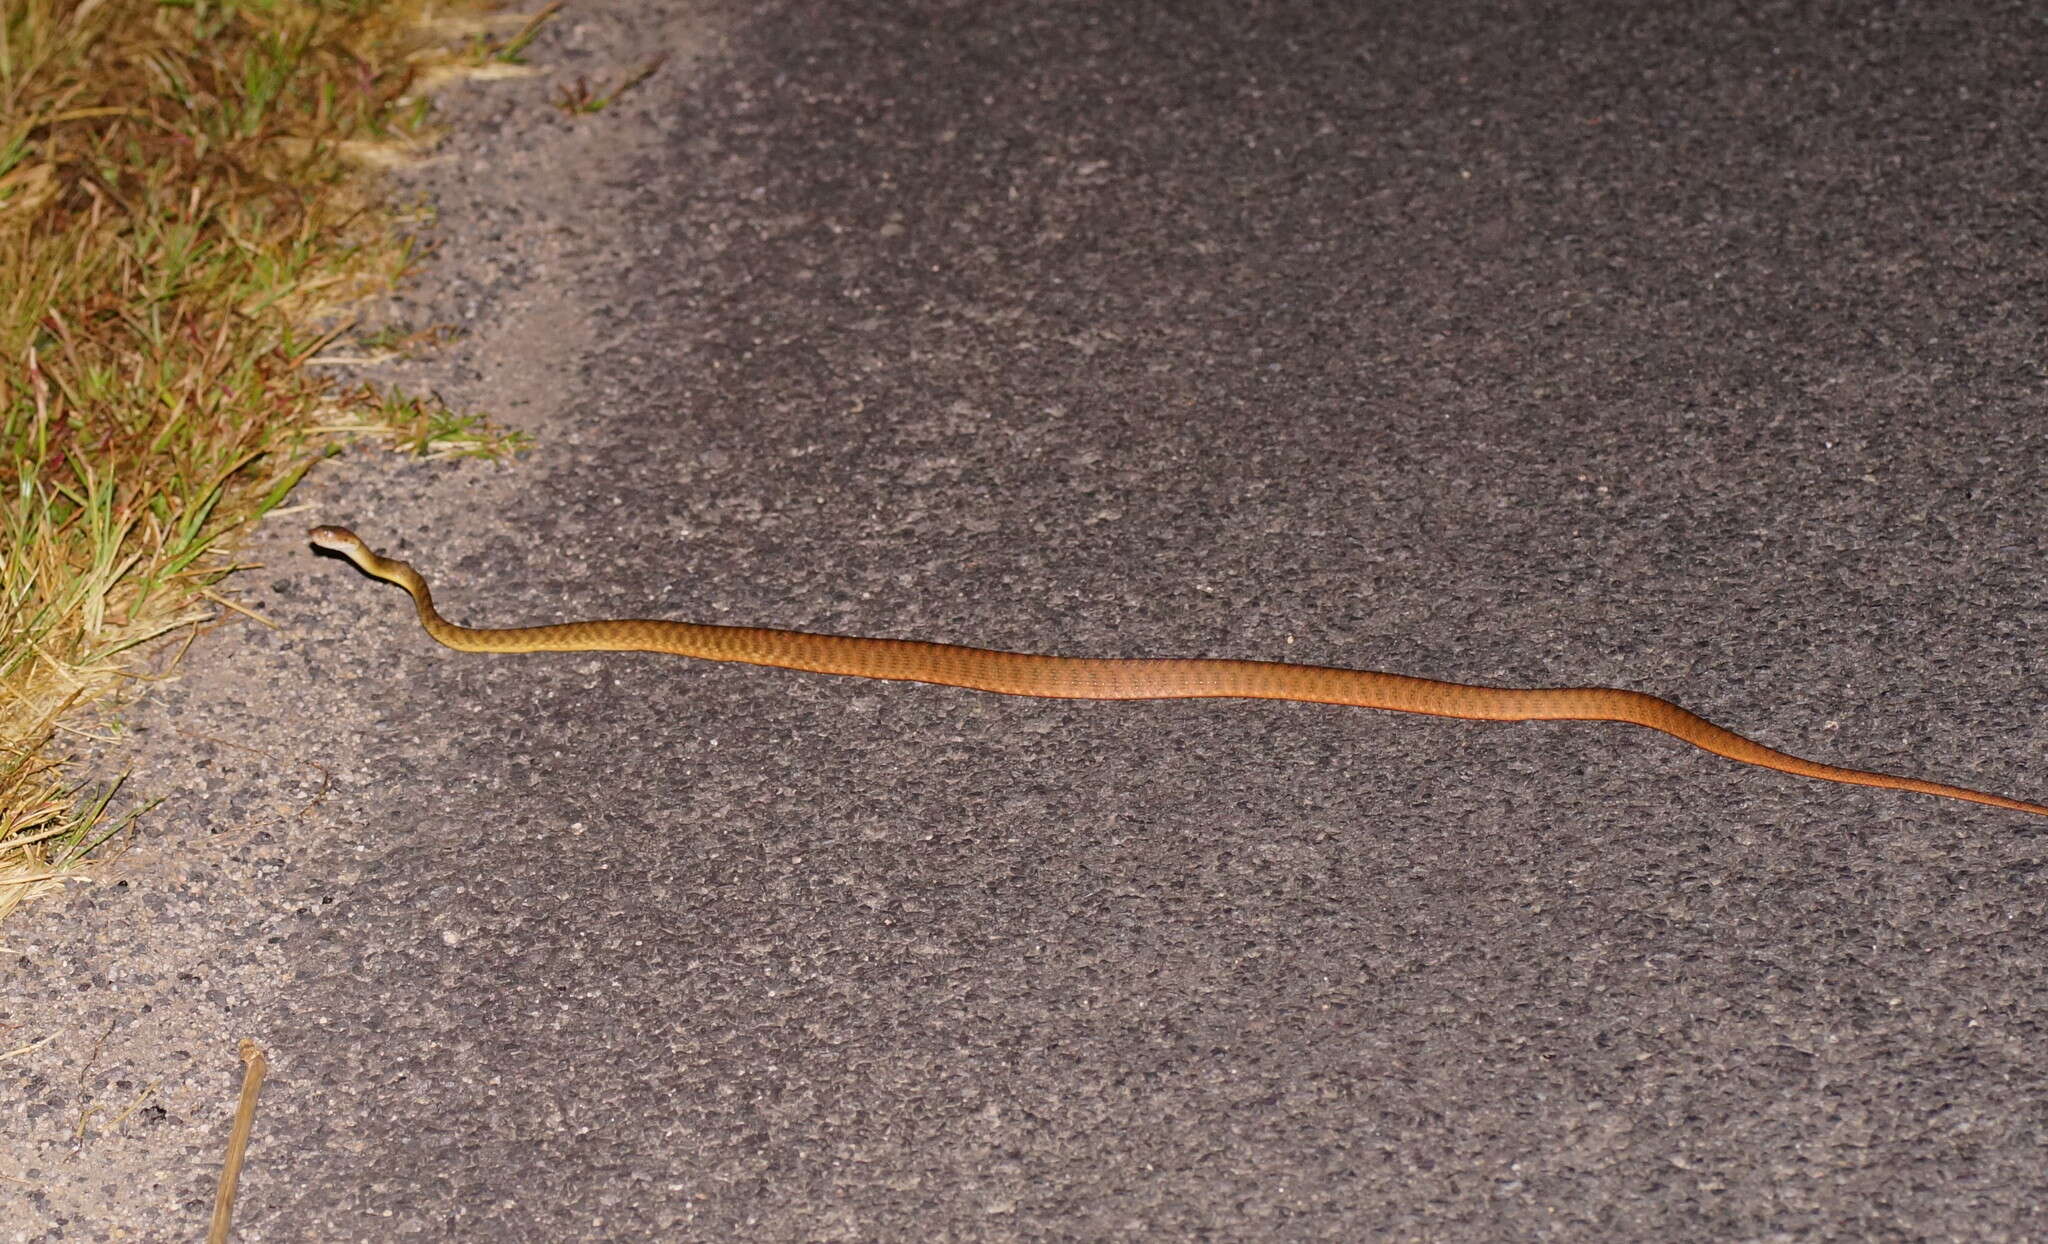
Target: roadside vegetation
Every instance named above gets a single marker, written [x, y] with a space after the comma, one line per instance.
[187, 209]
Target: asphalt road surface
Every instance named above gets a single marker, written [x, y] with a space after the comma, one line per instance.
[1694, 348]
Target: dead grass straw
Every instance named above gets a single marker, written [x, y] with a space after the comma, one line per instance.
[181, 208]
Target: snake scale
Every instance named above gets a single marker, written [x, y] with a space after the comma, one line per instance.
[1094, 678]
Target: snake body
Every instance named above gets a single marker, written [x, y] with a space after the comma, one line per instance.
[1097, 678]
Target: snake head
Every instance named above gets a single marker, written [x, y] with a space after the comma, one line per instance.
[349, 545]
[335, 539]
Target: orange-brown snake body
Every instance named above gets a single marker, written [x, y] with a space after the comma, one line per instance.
[1111, 678]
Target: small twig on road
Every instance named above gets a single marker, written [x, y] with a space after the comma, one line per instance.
[238, 1140]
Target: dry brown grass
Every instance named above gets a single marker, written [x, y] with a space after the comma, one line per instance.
[182, 208]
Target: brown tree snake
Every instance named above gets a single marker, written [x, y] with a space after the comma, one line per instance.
[1093, 678]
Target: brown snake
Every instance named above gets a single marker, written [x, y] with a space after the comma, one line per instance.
[1097, 678]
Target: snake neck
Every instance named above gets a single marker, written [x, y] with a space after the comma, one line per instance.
[422, 599]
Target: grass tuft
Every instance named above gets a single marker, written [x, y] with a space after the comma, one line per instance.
[181, 209]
